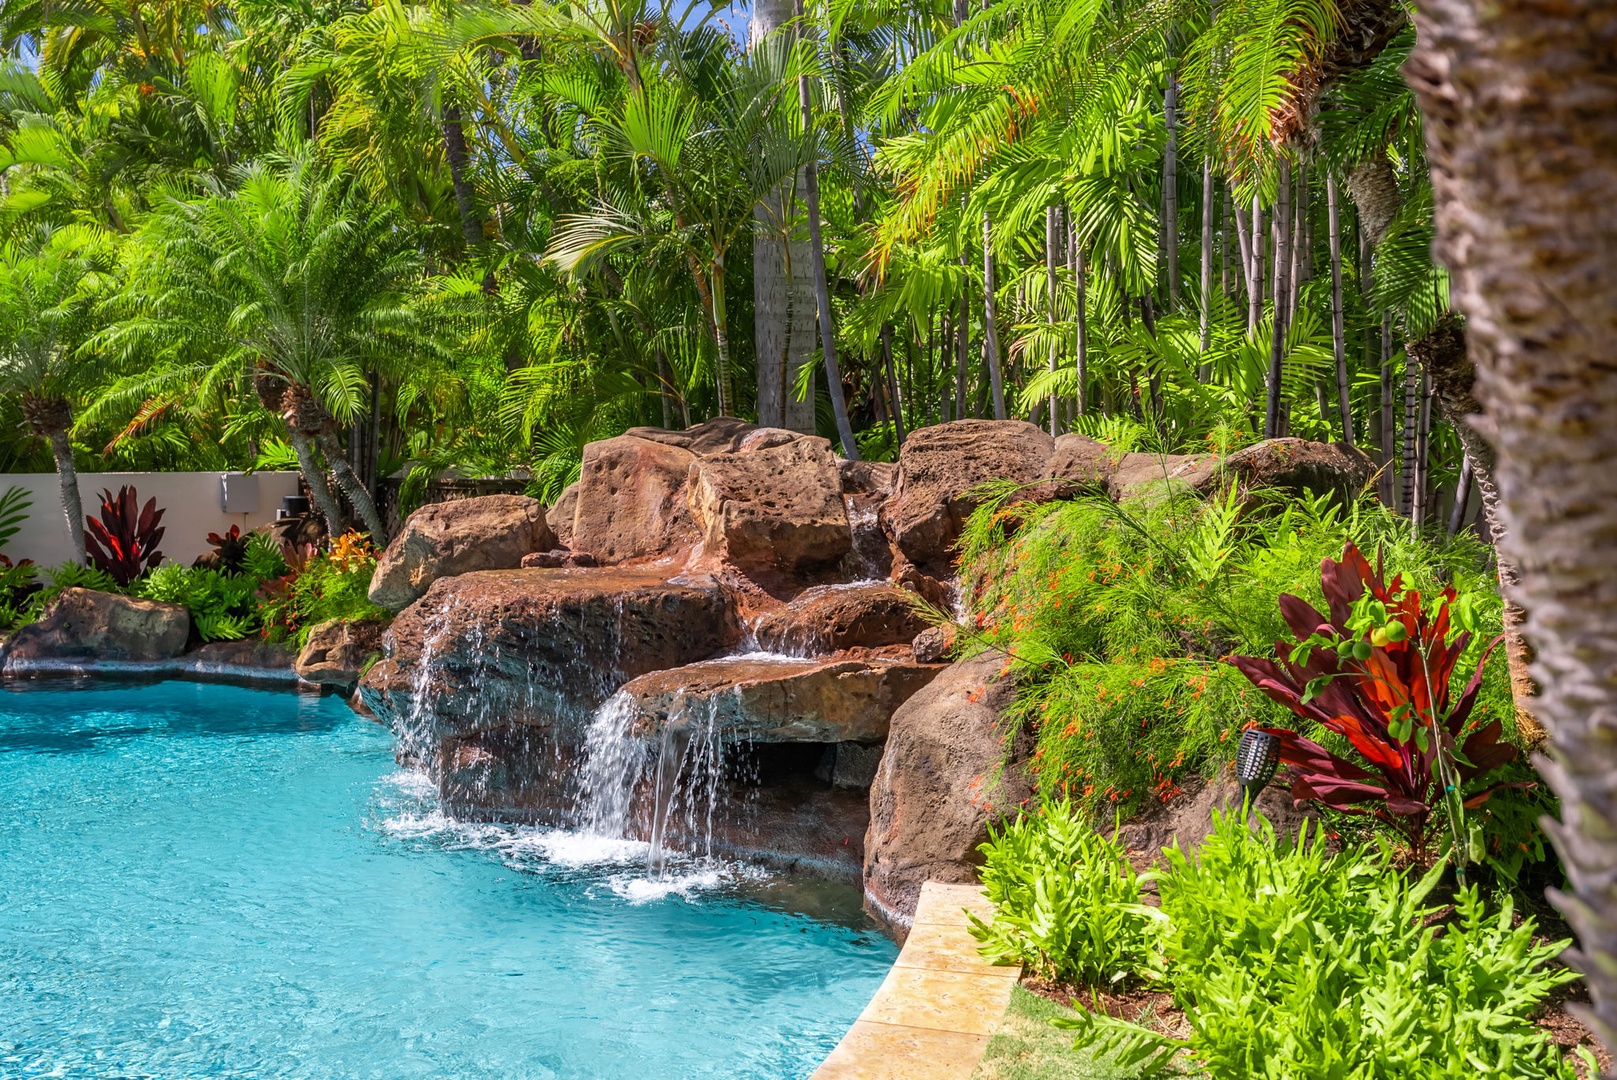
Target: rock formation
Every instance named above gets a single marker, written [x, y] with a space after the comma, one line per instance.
[492, 532]
[86, 625]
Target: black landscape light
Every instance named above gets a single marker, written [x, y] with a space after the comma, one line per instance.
[1255, 762]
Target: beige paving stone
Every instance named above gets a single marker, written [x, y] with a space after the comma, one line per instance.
[943, 946]
[873, 1051]
[942, 903]
[942, 1000]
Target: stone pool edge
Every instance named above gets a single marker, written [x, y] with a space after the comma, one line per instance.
[933, 1015]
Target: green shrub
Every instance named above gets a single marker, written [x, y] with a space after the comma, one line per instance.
[1116, 618]
[1291, 962]
[1067, 904]
[330, 585]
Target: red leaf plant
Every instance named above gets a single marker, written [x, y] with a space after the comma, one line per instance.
[124, 541]
[1378, 671]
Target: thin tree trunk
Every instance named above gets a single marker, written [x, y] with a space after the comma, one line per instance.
[1050, 228]
[892, 385]
[1254, 311]
[1207, 261]
[1170, 190]
[460, 168]
[1462, 496]
[315, 477]
[1224, 246]
[962, 343]
[1389, 420]
[1277, 339]
[822, 291]
[1338, 329]
[1299, 241]
[67, 474]
[1406, 501]
[1420, 505]
[1080, 333]
[1243, 237]
[991, 320]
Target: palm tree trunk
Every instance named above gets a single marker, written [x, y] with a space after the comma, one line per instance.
[892, 385]
[1338, 330]
[1389, 425]
[1462, 496]
[1207, 259]
[1406, 501]
[1277, 338]
[1243, 238]
[822, 291]
[721, 338]
[1080, 320]
[455, 149]
[1254, 300]
[315, 477]
[991, 320]
[351, 485]
[72, 505]
[1050, 227]
[1170, 190]
[962, 342]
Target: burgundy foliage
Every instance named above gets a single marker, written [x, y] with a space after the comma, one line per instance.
[123, 542]
[1361, 700]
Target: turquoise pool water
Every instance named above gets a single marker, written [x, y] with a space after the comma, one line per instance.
[202, 881]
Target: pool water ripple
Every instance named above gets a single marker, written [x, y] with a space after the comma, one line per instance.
[201, 882]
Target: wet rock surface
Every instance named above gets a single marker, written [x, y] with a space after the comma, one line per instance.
[490, 532]
[843, 698]
[830, 618]
[540, 648]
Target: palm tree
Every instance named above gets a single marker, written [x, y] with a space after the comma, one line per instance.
[47, 293]
[295, 280]
[1521, 124]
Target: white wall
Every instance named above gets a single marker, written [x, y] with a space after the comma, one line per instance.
[194, 503]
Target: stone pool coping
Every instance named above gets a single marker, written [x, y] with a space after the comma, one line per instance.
[187, 667]
[939, 1005]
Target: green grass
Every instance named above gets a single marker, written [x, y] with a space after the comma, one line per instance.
[1027, 1047]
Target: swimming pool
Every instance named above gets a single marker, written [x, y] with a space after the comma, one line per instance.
[205, 881]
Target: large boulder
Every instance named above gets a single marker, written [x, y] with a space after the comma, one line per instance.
[941, 782]
[87, 625]
[336, 651]
[1298, 466]
[720, 435]
[774, 509]
[830, 618]
[560, 516]
[740, 699]
[1080, 466]
[539, 649]
[490, 532]
[940, 465]
[1149, 476]
[631, 500]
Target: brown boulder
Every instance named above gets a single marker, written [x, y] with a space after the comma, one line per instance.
[84, 624]
[841, 699]
[1299, 466]
[720, 435]
[831, 618]
[490, 532]
[940, 784]
[1081, 464]
[938, 467]
[337, 650]
[773, 509]
[631, 500]
[935, 643]
[556, 560]
[538, 649]
[765, 438]
[875, 479]
[1152, 475]
[560, 516]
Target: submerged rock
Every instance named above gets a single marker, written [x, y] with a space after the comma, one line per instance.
[938, 469]
[777, 508]
[745, 699]
[87, 625]
[830, 618]
[490, 532]
[631, 500]
[539, 648]
[939, 786]
[337, 650]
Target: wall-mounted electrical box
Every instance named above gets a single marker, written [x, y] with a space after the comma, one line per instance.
[238, 493]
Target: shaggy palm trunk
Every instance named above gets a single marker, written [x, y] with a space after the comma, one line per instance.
[351, 484]
[784, 304]
[1338, 331]
[72, 506]
[991, 320]
[1521, 129]
[1277, 338]
[315, 477]
[304, 419]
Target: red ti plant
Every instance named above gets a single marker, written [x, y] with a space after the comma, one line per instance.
[1379, 671]
[124, 541]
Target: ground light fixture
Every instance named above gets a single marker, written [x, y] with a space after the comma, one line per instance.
[1255, 762]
